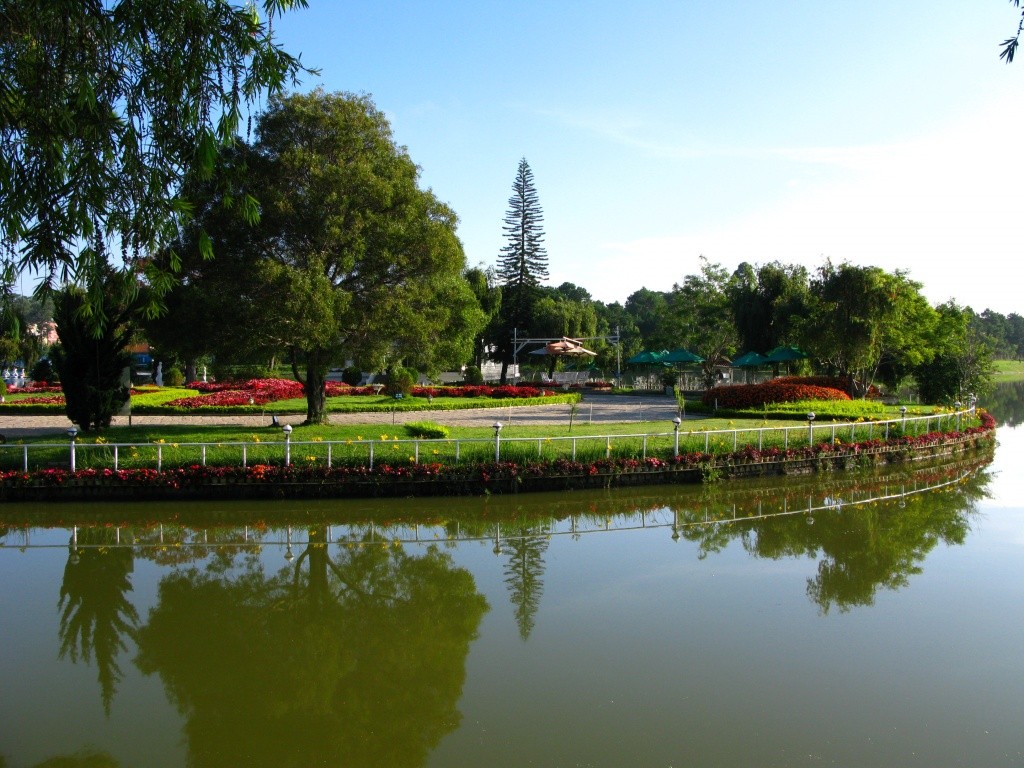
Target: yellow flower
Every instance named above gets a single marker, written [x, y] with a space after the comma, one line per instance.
[348, 442]
[383, 437]
[359, 437]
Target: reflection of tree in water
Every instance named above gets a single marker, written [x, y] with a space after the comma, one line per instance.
[82, 760]
[524, 571]
[859, 548]
[96, 615]
[1006, 403]
[357, 659]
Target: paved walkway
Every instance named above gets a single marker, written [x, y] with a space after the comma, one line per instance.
[594, 409]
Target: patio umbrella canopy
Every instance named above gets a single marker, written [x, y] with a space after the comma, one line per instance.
[681, 356]
[750, 360]
[564, 347]
[647, 358]
[786, 355]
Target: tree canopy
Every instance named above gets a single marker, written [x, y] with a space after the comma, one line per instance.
[106, 107]
[350, 258]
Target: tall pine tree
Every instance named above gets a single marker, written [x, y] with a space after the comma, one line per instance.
[523, 263]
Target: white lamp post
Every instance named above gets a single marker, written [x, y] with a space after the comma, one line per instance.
[497, 439]
[675, 424]
[810, 429]
[287, 429]
[72, 434]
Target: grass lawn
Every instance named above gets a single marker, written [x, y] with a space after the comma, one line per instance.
[1009, 370]
[169, 446]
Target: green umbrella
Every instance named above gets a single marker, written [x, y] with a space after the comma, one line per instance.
[681, 356]
[750, 360]
[786, 355]
[647, 358]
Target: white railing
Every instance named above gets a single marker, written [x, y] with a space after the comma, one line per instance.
[414, 450]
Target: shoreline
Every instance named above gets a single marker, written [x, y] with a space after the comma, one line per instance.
[386, 481]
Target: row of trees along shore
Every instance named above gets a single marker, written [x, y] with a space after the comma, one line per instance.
[124, 170]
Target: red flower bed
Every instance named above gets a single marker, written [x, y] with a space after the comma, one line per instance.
[833, 382]
[777, 391]
[57, 399]
[34, 388]
[263, 391]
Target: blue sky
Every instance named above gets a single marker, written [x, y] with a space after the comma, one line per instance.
[872, 132]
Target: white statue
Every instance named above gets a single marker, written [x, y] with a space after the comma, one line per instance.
[159, 374]
[204, 374]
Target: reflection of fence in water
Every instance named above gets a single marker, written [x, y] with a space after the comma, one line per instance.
[197, 542]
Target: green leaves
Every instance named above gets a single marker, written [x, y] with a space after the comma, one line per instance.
[108, 107]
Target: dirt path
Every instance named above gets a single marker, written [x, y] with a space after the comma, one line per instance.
[594, 409]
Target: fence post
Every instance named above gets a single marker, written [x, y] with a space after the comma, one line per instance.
[287, 429]
[497, 440]
[72, 434]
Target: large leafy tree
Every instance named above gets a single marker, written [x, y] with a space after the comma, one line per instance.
[961, 361]
[106, 106]
[766, 301]
[649, 311]
[523, 263]
[864, 319]
[700, 317]
[350, 258]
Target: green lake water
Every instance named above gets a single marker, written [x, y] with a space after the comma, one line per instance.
[849, 619]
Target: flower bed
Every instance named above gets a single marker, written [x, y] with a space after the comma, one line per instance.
[776, 391]
[263, 391]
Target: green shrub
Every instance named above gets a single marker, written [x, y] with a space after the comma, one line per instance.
[43, 370]
[223, 372]
[400, 380]
[173, 377]
[427, 430]
[473, 375]
[352, 376]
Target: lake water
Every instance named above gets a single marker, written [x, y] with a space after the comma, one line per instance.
[844, 619]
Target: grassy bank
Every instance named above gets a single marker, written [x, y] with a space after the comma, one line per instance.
[1009, 370]
[169, 446]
